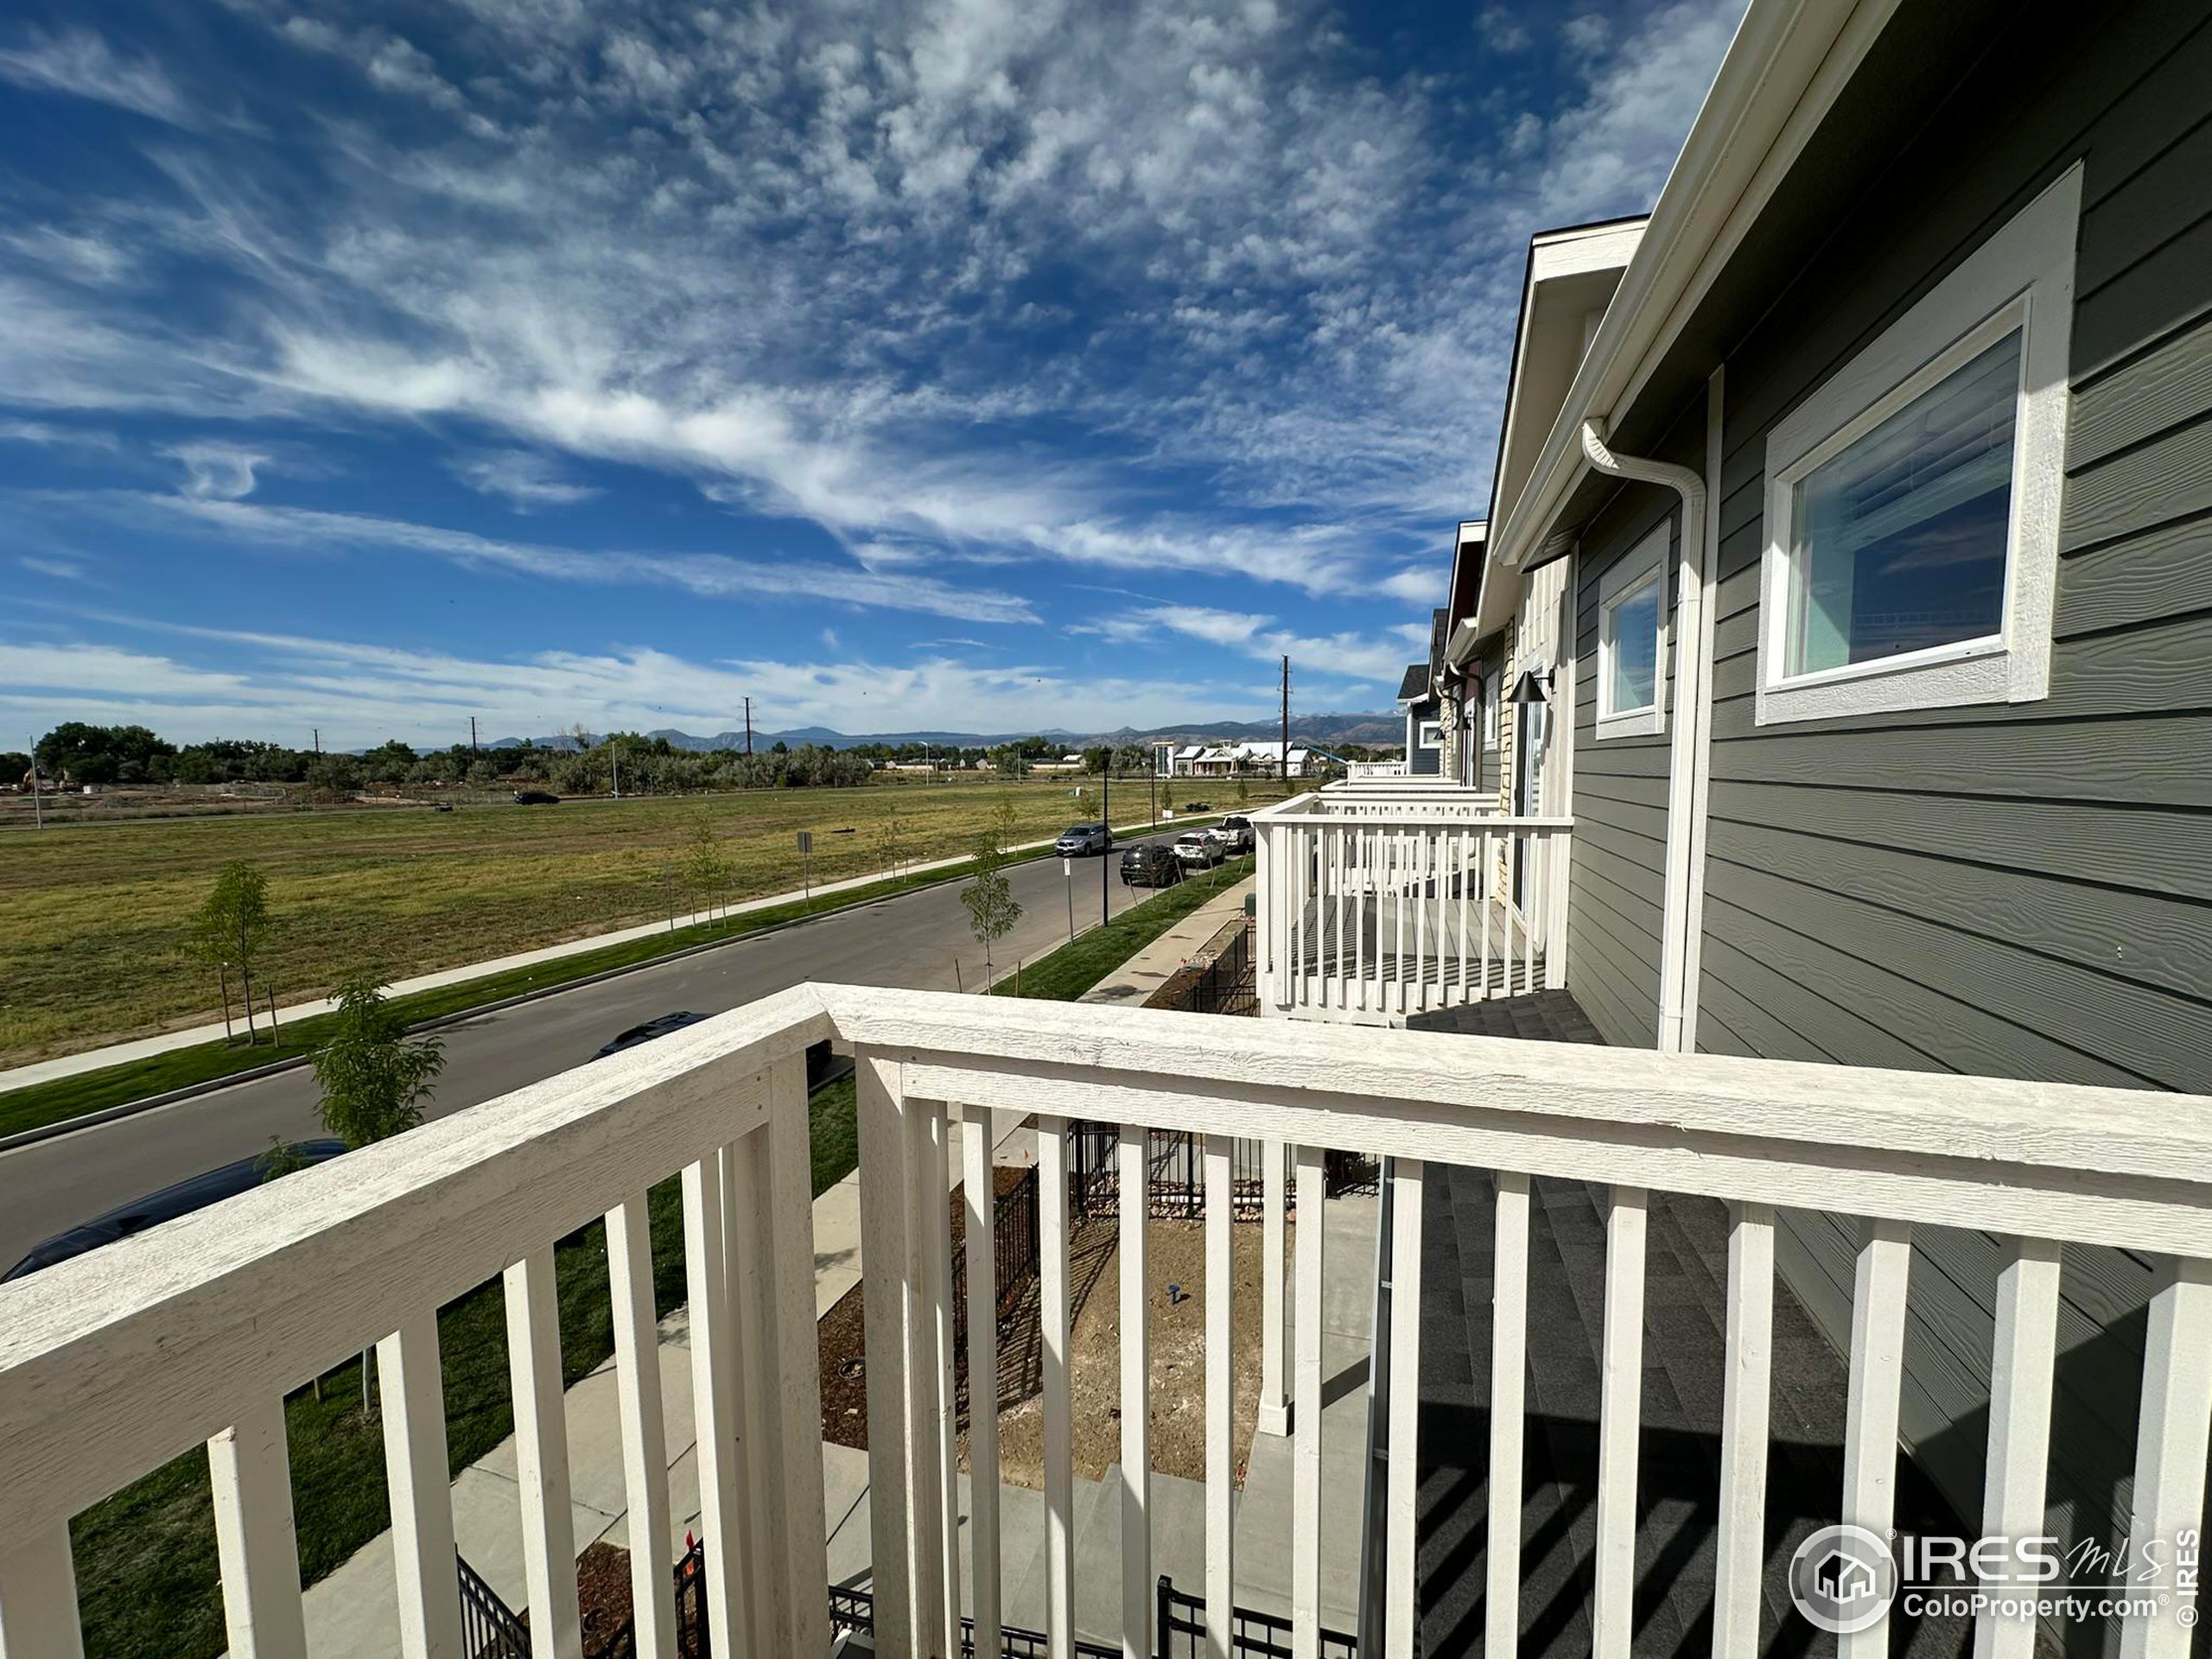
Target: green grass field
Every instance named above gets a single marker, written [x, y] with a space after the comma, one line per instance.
[93, 916]
[147, 1582]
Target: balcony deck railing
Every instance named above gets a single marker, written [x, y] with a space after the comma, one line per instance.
[1374, 905]
[192, 1333]
[1365, 772]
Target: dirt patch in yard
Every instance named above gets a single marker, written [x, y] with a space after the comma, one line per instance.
[1175, 1252]
[1176, 1256]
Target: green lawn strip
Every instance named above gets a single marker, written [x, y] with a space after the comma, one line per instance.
[149, 1584]
[116, 1085]
[1077, 966]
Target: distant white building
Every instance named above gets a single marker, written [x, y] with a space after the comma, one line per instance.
[1229, 760]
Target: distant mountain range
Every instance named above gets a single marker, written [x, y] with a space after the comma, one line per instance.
[1313, 728]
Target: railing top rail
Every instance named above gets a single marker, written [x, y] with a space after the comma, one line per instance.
[149, 1343]
[1398, 812]
[2129, 1167]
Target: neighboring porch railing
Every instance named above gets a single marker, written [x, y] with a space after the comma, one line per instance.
[193, 1331]
[1372, 907]
[1362, 771]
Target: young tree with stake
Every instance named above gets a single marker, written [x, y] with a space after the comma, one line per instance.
[229, 929]
[991, 908]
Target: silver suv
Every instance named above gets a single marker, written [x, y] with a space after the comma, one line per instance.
[1081, 840]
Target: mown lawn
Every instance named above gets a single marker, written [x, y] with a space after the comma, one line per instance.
[147, 1585]
[92, 916]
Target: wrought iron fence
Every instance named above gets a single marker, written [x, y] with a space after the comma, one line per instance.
[1228, 983]
[489, 1628]
[691, 1636]
[1176, 1184]
[1016, 1250]
[1181, 1622]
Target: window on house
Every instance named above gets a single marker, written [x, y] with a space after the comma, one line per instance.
[1913, 500]
[1488, 692]
[1431, 735]
[1632, 639]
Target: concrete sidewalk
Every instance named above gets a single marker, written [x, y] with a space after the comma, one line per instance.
[93, 1060]
[1152, 967]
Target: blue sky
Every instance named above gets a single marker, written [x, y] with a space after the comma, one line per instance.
[978, 364]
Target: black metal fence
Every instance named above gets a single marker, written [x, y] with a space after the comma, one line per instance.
[1016, 1247]
[692, 1641]
[1228, 984]
[1180, 1623]
[489, 1628]
[1176, 1183]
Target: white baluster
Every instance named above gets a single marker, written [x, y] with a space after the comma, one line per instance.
[645, 1439]
[2024, 1348]
[879, 1103]
[38, 1599]
[1870, 1435]
[1746, 1403]
[928, 1363]
[749, 1257]
[1057, 1404]
[250, 1468]
[1508, 1390]
[422, 1502]
[2171, 1439]
[1402, 1610]
[1274, 1417]
[716, 1404]
[1221, 1465]
[1306, 1450]
[1485, 888]
[977, 1183]
[1619, 1422]
[800, 1556]
[1134, 1146]
[548, 1532]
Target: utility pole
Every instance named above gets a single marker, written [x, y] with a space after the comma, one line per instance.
[38, 803]
[473, 749]
[615, 760]
[318, 741]
[1286, 720]
[1106, 816]
[748, 726]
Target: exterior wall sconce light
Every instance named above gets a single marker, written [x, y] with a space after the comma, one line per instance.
[1531, 687]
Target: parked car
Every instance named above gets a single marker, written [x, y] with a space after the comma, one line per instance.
[651, 1029]
[1081, 840]
[1235, 834]
[1149, 864]
[180, 1198]
[536, 797]
[1198, 847]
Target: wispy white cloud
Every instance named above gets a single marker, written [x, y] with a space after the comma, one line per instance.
[710, 574]
[218, 471]
[1357, 656]
[59, 569]
[78, 62]
[528, 481]
[360, 694]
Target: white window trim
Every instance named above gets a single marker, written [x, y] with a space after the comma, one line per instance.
[1645, 563]
[2022, 278]
[1430, 734]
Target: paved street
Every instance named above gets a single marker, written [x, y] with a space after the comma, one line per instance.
[920, 940]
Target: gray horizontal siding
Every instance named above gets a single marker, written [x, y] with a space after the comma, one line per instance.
[2025, 889]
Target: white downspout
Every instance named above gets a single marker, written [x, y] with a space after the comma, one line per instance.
[1692, 733]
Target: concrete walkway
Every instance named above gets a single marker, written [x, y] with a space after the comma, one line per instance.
[93, 1060]
[1152, 967]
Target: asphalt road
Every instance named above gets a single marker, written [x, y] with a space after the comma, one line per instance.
[920, 940]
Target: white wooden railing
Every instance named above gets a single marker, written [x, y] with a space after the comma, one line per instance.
[1376, 905]
[1365, 772]
[113, 1362]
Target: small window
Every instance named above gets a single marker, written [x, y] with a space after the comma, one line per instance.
[1488, 691]
[1431, 735]
[1912, 501]
[1631, 640]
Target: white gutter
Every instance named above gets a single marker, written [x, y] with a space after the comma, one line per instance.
[1790, 61]
[1682, 920]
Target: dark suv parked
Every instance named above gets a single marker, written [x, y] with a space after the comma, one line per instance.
[1149, 864]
